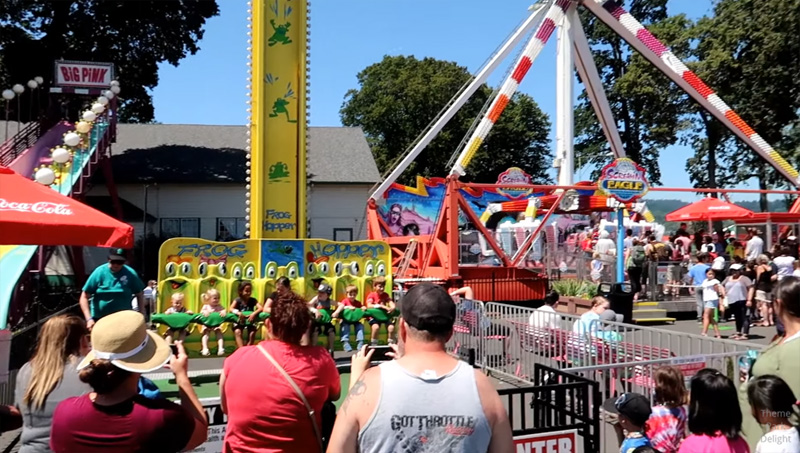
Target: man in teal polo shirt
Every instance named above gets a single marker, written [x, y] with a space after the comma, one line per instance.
[110, 289]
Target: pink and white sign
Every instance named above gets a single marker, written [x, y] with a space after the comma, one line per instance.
[83, 74]
[42, 207]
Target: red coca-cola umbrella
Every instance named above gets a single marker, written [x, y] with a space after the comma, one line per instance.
[33, 214]
[709, 209]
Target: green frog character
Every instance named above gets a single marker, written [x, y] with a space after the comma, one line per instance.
[280, 35]
[279, 107]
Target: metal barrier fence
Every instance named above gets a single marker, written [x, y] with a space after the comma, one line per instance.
[7, 389]
[669, 281]
[559, 401]
[516, 342]
[510, 340]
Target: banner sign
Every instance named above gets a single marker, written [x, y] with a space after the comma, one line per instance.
[278, 126]
[553, 442]
[83, 74]
[217, 421]
[623, 180]
[514, 176]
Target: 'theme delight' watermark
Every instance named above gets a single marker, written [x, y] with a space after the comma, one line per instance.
[778, 437]
[766, 413]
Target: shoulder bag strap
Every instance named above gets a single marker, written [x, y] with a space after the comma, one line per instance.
[311, 413]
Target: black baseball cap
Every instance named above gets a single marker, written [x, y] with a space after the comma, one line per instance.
[428, 307]
[634, 406]
[117, 255]
[324, 288]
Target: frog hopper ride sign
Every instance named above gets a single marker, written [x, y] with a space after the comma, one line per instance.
[624, 180]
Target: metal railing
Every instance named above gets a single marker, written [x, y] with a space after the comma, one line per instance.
[510, 340]
[16, 145]
[514, 342]
[557, 401]
[7, 389]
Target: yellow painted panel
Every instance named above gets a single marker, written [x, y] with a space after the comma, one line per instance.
[278, 123]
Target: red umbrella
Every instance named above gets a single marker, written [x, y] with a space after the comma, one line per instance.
[33, 214]
[709, 209]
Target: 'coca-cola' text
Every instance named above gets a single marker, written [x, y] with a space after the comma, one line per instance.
[41, 207]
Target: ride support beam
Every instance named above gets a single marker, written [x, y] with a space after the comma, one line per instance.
[449, 113]
[635, 34]
[587, 70]
[565, 108]
[523, 250]
[555, 17]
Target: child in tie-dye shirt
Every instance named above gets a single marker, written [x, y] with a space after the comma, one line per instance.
[666, 426]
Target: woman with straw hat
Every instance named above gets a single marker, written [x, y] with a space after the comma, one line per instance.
[114, 417]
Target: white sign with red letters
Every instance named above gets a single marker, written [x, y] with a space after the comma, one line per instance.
[552, 442]
[84, 74]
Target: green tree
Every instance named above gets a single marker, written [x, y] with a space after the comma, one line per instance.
[398, 97]
[748, 53]
[646, 105]
[134, 35]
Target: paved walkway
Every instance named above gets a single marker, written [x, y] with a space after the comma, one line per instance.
[758, 335]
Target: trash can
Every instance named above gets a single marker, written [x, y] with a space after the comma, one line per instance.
[621, 297]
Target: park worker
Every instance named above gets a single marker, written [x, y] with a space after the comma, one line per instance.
[110, 289]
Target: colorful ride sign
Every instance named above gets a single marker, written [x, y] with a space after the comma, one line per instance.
[624, 180]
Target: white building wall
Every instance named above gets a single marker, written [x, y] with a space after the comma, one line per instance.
[331, 206]
[340, 206]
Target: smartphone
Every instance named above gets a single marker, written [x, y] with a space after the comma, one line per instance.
[174, 348]
[380, 353]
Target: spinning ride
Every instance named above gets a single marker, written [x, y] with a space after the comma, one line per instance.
[447, 207]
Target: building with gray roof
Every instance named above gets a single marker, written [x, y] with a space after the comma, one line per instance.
[189, 180]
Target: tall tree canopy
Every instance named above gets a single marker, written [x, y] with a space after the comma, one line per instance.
[134, 35]
[647, 107]
[398, 97]
[748, 52]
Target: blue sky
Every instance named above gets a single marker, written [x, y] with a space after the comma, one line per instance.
[348, 35]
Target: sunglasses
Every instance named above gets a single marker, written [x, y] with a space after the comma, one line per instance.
[120, 263]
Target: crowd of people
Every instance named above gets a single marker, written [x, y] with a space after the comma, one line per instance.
[85, 390]
[707, 418]
[730, 278]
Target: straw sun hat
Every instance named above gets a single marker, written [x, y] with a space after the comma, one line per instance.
[123, 339]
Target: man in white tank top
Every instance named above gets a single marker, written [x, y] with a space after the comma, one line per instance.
[426, 400]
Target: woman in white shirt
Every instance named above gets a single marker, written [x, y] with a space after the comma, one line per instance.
[784, 263]
[545, 317]
[740, 292]
[713, 292]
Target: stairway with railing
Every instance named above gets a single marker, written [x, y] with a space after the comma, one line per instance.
[19, 143]
[29, 148]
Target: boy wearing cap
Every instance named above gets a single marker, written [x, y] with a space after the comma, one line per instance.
[110, 289]
[322, 301]
[633, 410]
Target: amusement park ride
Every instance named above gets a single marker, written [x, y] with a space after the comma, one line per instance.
[436, 255]
[442, 230]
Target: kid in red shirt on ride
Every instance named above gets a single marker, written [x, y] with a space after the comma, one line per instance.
[379, 299]
[350, 303]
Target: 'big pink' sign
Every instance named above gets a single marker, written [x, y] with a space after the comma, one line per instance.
[84, 74]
